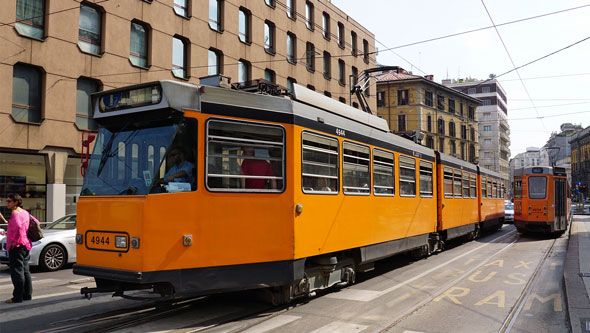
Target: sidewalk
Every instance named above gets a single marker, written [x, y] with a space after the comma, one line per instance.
[576, 274]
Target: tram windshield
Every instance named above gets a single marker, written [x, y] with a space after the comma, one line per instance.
[143, 157]
[537, 187]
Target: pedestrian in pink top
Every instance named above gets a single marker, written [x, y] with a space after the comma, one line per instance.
[18, 246]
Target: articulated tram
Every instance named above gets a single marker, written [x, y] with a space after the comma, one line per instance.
[541, 200]
[195, 189]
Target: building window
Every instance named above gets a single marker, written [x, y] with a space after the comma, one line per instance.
[327, 65]
[440, 102]
[441, 145]
[290, 6]
[138, 48]
[471, 91]
[269, 37]
[89, 32]
[487, 154]
[441, 126]
[319, 164]
[342, 100]
[269, 75]
[428, 98]
[429, 123]
[84, 88]
[401, 122]
[326, 25]
[407, 176]
[341, 35]
[463, 132]
[243, 71]
[381, 98]
[452, 128]
[487, 141]
[353, 44]
[451, 105]
[355, 75]
[485, 90]
[429, 142]
[472, 130]
[365, 51]
[356, 161]
[487, 115]
[291, 84]
[461, 109]
[270, 3]
[30, 18]
[216, 14]
[27, 89]
[309, 15]
[311, 87]
[383, 172]
[327, 94]
[471, 111]
[179, 57]
[341, 72]
[214, 62]
[291, 48]
[463, 150]
[181, 7]
[403, 97]
[453, 148]
[310, 56]
[487, 128]
[486, 101]
[244, 22]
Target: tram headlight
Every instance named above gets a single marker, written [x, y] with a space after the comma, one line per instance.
[135, 242]
[79, 239]
[121, 242]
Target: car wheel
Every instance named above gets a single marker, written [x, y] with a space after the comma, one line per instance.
[53, 258]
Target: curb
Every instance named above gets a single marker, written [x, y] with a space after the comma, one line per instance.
[578, 303]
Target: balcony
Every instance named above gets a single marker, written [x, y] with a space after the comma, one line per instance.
[505, 136]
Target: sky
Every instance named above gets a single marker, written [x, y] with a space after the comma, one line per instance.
[541, 96]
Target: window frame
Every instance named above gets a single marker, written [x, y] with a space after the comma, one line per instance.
[186, 57]
[402, 125]
[472, 185]
[269, 47]
[88, 116]
[358, 158]
[365, 51]
[353, 43]
[310, 56]
[183, 11]
[309, 16]
[147, 29]
[271, 73]
[28, 107]
[428, 98]
[247, 34]
[327, 61]
[27, 27]
[400, 167]
[457, 183]
[218, 61]
[385, 164]
[291, 10]
[341, 72]
[330, 152]
[426, 168]
[87, 42]
[217, 21]
[245, 190]
[326, 25]
[341, 31]
[403, 97]
[291, 58]
[247, 67]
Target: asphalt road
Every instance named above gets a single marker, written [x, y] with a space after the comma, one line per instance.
[500, 282]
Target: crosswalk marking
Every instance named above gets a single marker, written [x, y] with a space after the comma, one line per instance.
[272, 324]
[340, 327]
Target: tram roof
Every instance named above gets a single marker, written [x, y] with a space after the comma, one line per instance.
[456, 163]
[540, 170]
[490, 173]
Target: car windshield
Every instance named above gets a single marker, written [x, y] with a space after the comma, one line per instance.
[64, 223]
[509, 206]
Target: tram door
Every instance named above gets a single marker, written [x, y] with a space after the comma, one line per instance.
[560, 204]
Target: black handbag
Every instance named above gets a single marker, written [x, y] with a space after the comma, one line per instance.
[34, 233]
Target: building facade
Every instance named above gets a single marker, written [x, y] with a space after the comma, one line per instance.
[54, 54]
[436, 116]
[493, 129]
[580, 157]
[558, 147]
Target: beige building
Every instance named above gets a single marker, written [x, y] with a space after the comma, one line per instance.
[435, 116]
[55, 53]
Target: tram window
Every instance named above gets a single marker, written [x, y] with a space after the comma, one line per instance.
[537, 187]
[465, 184]
[517, 187]
[489, 188]
[473, 185]
[407, 176]
[319, 164]
[494, 190]
[448, 182]
[426, 179]
[163, 164]
[484, 189]
[244, 157]
[457, 183]
[135, 161]
[383, 173]
[356, 160]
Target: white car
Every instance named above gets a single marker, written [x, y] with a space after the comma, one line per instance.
[56, 249]
[508, 211]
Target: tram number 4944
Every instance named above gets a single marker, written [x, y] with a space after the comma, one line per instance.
[100, 240]
[340, 132]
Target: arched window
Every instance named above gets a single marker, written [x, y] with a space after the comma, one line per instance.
[441, 126]
[429, 123]
[452, 128]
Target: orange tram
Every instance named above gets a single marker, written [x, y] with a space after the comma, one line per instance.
[194, 190]
[541, 200]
